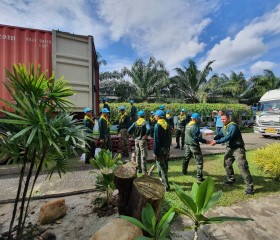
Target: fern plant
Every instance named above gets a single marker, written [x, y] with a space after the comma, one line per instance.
[104, 165]
[199, 201]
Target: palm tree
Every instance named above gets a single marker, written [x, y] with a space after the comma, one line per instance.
[258, 85]
[118, 87]
[107, 75]
[235, 86]
[265, 82]
[41, 131]
[190, 80]
[148, 78]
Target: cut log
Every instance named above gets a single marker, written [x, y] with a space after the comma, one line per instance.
[123, 177]
[145, 189]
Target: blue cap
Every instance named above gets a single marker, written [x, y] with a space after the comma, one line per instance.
[105, 110]
[161, 107]
[183, 110]
[159, 113]
[141, 113]
[104, 99]
[87, 110]
[131, 101]
[195, 115]
[122, 108]
[168, 111]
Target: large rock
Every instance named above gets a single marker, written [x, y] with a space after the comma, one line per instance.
[51, 211]
[118, 229]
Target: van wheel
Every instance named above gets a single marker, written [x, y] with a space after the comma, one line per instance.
[266, 136]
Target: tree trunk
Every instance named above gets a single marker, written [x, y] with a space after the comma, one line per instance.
[123, 177]
[145, 189]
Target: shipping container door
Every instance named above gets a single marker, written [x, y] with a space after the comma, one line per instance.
[72, 58]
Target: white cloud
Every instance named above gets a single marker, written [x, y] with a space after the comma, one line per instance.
[116, 64]
[258, 67]
[166, 29]
[247, 45]
[66, 15]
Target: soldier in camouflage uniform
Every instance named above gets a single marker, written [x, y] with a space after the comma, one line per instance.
[231, 135]
[140, 130]
[133, 112]
[152, 122]
[124, 124]
[162, 147]
[183, 120]
[89, 122]
[104, 130]
[170, 121]
[192, 147]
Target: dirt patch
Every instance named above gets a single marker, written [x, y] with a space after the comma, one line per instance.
[105, 209]
[80, 222]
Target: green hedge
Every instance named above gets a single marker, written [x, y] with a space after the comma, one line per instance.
[205, 109]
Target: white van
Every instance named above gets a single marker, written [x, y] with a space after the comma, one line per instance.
[268, 114]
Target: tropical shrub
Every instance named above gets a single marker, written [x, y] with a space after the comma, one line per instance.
[104, 165]
[268, 159]
[156, 229]
[41, 132]
[201, 198]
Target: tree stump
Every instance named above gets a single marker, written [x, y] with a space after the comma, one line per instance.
[145, 189]
[123, 177]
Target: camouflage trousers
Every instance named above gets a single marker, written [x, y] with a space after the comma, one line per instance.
[141, 152]
[90, 146]
[124, 142]
[180, 133]
[107, 144]
[162, 166]
[239, 154]
[196, 152]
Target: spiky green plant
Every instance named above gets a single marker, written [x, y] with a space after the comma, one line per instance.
[105, 164]
[41, 131]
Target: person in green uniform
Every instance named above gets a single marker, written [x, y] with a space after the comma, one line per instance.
[140, 131]
[183, 120]
[235, 149]
[152, 122]
[89, 122]
[192, 147]
[133, 112]
[170, 120]
[161, 147]
[106, 105]
[124, 124]
[104, 130]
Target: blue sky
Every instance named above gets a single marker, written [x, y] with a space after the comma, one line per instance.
[240, 35]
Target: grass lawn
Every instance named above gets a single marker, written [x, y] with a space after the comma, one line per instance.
[213, 166]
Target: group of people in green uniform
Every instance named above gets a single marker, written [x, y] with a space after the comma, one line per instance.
[161, 126]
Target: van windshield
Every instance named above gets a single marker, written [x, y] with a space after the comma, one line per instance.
[269, 106]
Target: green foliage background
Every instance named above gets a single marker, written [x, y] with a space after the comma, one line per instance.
[205, 109]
